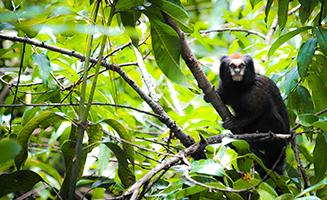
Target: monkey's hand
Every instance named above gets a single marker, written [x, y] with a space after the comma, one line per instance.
[206, 99]
[229, 123]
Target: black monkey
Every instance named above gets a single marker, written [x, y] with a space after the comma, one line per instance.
[257, 105]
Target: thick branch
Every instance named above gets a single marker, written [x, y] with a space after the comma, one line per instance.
[198, 73]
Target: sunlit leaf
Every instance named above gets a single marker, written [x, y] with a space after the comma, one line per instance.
[284, 38]
[207, 166]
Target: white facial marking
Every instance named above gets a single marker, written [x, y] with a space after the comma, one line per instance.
[237, 62]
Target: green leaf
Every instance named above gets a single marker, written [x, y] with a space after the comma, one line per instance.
[9, 149]
[129, 19]
[322, 38]
[208, 166]
[315, 187]
[95, 135]
[300, 101]
[43, 120]
[273, 175]
[305, 56]
[167, 48]
[282, 12]
[267, 9]
[127, 4]
[186, 192]
[308, 119]
[317, 82]
[43, 63]
[322, 125]
[23, 180]
[242, 147]
[175, 10]
[126, 176]
[306, 3]
[254, 2]
[284, 38]
[320, 157]
[306, 9]
[243, 162]
[199, 37]
[14, 46]
[120, 129]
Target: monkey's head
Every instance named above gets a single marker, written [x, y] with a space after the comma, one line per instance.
[237, 68]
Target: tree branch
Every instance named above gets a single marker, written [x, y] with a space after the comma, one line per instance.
[198, 73]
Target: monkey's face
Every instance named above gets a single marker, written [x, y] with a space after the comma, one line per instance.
[237, 68]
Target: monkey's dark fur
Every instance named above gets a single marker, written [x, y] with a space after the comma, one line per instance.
[257, 105]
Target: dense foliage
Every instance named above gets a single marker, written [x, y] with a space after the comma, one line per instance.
[118, 129]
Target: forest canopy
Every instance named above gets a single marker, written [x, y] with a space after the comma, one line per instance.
[104, 99]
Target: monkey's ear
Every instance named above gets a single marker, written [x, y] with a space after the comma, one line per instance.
[224, 58]
[248, 59]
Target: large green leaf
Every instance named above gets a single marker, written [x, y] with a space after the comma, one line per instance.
[305, 56]
[322, 38]
[11, 149]
[123, 133]
[282, 12]
[317, 82]
[127, 4]
[23, 180]
[43, 63]
[126, 176]
[320, 157]
[167, 48]
[300, 101]
[43, 120]
[175, 10]
[284, 38]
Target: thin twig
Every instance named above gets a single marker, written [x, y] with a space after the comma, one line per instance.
[15, 95]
